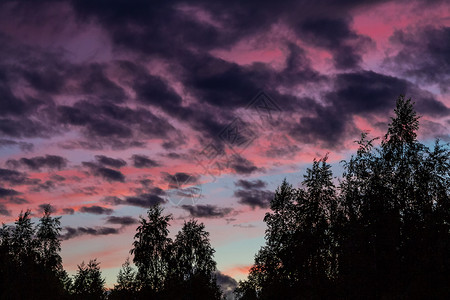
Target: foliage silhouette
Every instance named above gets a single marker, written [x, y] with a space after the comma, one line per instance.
[30, 265]
[126, 283]
[383, 232]
[88, 282]
[180, 269]
[150, 250]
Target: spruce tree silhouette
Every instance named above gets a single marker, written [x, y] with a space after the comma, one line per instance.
[88, 282]
[126, 283]
[383, 233]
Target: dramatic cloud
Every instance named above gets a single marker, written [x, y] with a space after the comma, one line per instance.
[110, 162]
[47, 186]
[106, 173]
[24, 146]
[8, 192]
[180, 179]
[145, 200]
[251, 193]
[94, 209]
[242, 165]
[16, 178]
[36, 163]
[121, 99]
[125, 221]
[142, 161]
[248, 184]
[206, 211]
[4, 211]
[73, 232]
[68, 211]
[423, 55]
[335, 35]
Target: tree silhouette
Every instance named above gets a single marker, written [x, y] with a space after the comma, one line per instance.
[180, 269]
[384, 232]
[30, 265]
[88, 282]
[126, 283]
[192, 265]
[150, 250]
[48, 232]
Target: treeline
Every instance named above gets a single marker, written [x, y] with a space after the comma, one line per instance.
[381, 232]
[31, 267]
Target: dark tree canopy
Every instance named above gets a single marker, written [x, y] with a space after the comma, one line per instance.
[88, 282]
[382, 233]
[180, 269]
[30, 264]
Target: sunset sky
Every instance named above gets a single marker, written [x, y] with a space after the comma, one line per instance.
[108, 107]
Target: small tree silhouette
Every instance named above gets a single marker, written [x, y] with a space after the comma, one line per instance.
[126, 283]
[88, 282]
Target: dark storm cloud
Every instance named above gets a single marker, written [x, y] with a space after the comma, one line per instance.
[179, 179]
[154, 90]
[206, 211]
[110, 124]
[143, 161]
[241, 165]
[110, 162]
[4, 211]
[73, 232]
[423, 54]
[144, 200]
[335, 35]
[249, 184]
[23, 127]
[68, 211]
[175, 28]
[8, 192]
[105, 173]
[86, 190]
[16, 178]
[254, 198]
[38, 162]
[125, 220]
[370, 92]
[11, 105]
[24, 146]
[251, 193]
[10, 196]
[56, 177]
[216, 87]
[357, 93]
[112, 200]
[46, 186]
[97, 84]
[95, 209]
[282, 151]
[223, 84]
[101, 144]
